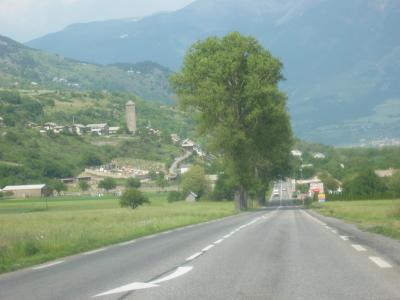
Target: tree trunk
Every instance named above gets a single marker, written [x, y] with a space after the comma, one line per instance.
[262, 201]
[241, 199]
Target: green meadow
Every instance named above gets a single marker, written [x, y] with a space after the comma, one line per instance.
[378, 216]
[30, 233]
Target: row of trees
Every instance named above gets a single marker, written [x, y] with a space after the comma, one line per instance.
[230, 84]
[367, 185]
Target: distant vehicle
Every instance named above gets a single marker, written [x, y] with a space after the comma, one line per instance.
[283, 189]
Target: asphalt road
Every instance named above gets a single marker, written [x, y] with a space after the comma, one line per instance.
[282, 252]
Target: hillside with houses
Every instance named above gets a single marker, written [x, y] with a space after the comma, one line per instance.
[49, 136]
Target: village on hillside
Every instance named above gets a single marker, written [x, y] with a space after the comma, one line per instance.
[116, 169]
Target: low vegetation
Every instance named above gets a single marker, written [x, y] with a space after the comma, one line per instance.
[378, 216]
[30, 234]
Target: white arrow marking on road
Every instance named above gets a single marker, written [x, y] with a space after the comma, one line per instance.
[179, 272]
[128, 288]
[143, 285]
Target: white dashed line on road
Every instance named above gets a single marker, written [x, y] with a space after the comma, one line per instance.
[359, 248]
[344, 238]
[208, 248]
[194, 256]
[380, 262]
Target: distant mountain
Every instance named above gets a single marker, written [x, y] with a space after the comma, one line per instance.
[26, 68]
[342, 58]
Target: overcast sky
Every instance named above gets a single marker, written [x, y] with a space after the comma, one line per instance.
[24, 20]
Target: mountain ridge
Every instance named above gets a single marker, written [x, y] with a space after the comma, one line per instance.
[341, 58]
[25, 67]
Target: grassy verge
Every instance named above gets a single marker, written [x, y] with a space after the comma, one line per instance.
[378, 216]
[30, 234]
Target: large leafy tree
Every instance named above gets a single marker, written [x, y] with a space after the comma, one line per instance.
[231, 83]
[194, 181]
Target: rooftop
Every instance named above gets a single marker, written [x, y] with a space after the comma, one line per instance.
[24, 187]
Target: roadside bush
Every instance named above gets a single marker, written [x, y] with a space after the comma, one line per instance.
[174, 196]
[133, 198]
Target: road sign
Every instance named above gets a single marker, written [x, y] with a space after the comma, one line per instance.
[321, 198]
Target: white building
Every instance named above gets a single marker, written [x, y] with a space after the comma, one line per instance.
[297, 153]
[99, 129]
[113, 130]
[319, 155]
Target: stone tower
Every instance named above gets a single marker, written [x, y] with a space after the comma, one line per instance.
[130, 109]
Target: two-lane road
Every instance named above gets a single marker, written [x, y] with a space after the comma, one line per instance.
[278, 253]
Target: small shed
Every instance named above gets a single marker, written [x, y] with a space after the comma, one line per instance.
[192, 197]
[27, 191]
[113, 130]
[187, 145]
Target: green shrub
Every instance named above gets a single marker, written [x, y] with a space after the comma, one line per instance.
[133, 198]
[107, 183]
[174, 196]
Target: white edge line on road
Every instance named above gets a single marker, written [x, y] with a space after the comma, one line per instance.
[194, 256]
[48, 265]
[219, 241]
[380, 262]
[95, 251]
[208, 248]
[148, 237]
[359, 248]
[226, 236]
[127, 243]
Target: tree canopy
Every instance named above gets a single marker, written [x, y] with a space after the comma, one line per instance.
[133, 198]
[107, 183]
[231, 84]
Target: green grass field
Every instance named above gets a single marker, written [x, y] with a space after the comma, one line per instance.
[30, 234]
[378, 216]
